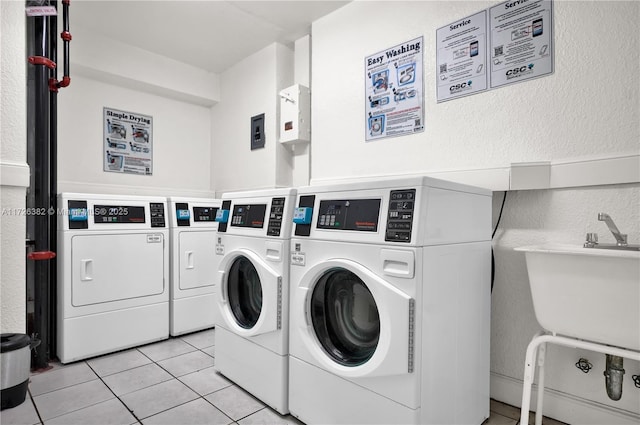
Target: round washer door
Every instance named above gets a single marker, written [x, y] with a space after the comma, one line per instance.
[244, 292]
[352, 322]
[345, 317]
[250, 295]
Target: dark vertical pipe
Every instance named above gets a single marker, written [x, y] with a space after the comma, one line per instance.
[39, 191]
[53, 175]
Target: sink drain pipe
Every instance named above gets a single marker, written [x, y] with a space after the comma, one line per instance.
[613, 376]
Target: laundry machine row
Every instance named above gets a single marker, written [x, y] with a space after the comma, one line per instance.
[133, 270]
[374, 309]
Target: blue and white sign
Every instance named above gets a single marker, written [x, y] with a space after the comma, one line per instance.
[394, 90]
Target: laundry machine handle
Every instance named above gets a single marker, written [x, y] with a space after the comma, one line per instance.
[223, 287]
[86, 270]
[189, 259]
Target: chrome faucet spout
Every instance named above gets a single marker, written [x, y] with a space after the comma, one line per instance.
[621, 238]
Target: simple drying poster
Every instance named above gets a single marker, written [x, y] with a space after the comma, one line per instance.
[521, 41]
[394, 91]
[462, 57]
[127, 142]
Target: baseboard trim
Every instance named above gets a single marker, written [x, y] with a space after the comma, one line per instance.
[580, 172]
[561, 406]
[15, 174]
[114, 189]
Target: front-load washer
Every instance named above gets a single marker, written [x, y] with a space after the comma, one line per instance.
[113, 273]
[194, 275]
[252, 337]
[390, 303]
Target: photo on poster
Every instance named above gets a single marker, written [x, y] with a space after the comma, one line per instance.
[127, 143]
[394, 89]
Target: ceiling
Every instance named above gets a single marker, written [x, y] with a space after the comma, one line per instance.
[209, 34]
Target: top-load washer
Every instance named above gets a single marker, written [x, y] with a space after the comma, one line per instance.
[113, 269]
[252, 337]
[390, 303]
[194, 275]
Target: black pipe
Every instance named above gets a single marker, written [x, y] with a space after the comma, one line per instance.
[53, 175]
[38, 197]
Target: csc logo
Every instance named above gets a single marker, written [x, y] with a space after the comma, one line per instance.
[520, 70]
[460, 86]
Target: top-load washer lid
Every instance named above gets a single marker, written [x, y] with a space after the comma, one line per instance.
[345, 317]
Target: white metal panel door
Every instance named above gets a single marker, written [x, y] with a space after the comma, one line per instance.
[112, 267]
[197, 259]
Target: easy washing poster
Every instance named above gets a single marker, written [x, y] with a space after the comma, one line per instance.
[128, 140]
[394, 91]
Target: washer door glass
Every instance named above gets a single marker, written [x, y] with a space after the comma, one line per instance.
[244, 292]
[345, 317]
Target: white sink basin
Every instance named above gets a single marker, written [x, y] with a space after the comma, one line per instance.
[586, 293]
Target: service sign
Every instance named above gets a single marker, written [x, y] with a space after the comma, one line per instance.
[521, 41]
[128, 138]
[462, 57]
[394, 91]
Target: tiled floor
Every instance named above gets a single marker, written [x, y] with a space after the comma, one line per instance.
[169, 382]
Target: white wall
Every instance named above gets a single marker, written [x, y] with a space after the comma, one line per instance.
[588, 108]
[181, 142]
[14, 172]
[591, 96]
[250, 88]
[108, 73]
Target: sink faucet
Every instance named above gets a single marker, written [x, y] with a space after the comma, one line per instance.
[621, 239]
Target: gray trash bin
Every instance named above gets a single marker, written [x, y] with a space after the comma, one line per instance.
[15, 365]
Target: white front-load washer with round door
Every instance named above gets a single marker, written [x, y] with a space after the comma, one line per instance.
[194, 273]
[252, 336]
[390, 303]
[113, 273]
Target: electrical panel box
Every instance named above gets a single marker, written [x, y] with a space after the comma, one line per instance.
[257, 132]
[295, 115]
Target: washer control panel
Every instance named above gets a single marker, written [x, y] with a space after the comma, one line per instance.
[275, 217]
[400, 215]
[156, 210]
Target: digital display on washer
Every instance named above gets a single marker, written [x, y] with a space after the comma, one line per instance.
[203, 214]
[351, 214]
[248, 215]
[118, 214]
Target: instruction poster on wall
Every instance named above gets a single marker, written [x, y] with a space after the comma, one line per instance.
[394, 91]
[462, 57]
[521, 41]
[127, 142]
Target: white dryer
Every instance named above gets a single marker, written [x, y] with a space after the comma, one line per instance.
[252, 337]
[390, 303]
[194, 273]
[113, 269]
